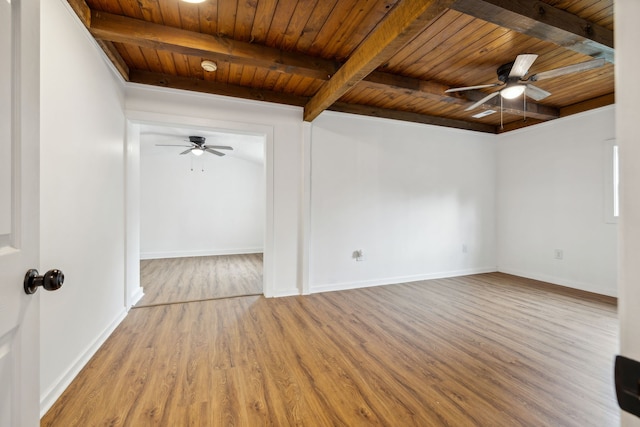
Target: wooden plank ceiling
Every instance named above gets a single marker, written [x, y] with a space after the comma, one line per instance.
[382, 58]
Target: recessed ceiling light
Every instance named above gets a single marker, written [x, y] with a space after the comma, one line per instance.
[194, 1]
[209, 66]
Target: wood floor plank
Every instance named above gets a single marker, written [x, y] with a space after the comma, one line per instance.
[175, 280]
[481, 350]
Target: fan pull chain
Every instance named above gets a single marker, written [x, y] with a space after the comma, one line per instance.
[524, 102]
[501, 109]
[201, 163]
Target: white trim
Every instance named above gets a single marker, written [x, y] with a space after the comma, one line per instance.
[136, 295]
[268, 269]
[285, 293]
[554, 122]
[268, 257]
[399, 279]
[305, 210]
[588, 287]
[87, 34]
[398, 121]
[132, 287]
[203, 252]
[49, 397]
[610, 197]
[147, 117]
[212, 97]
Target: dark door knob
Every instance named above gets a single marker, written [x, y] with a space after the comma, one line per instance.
[51, 280]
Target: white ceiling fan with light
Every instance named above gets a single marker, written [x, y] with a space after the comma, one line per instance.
[197, 147]
[512, 77]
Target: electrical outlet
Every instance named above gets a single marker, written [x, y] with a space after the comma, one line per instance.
[558, 254]
[465, 249]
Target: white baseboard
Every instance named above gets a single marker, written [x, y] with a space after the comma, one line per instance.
[589, 287]
[135, 297]
[285, 293]
[206, 252]
[49, 397]
[397, 280]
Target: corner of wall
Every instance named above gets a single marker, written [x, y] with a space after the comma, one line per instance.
[551, 196]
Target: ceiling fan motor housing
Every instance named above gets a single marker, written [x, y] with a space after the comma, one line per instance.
[504, 70]
[198, 140]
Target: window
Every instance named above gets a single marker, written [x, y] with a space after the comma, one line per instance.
[611, 182]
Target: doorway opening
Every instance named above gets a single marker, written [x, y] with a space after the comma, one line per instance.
[203, 221]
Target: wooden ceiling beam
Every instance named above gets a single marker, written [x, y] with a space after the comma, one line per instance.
[422, 88]
[407, 19]
[121, 29]
[518, 124]
[109, 28]
[516, 106]
[435, 92]
[545, 22]
[215, 88]
[83, 12]
[365, 110]
[589, 104]
[81, 9]
[115, 57]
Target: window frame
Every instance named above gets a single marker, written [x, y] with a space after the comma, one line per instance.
[611, 181]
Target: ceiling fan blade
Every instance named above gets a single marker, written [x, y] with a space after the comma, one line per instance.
[458, 89]
[536, 93]
[219, 147]
[521, 65]
[186, 151]
[171, 145]
[482, 101]
[217, 153]
[575, 68]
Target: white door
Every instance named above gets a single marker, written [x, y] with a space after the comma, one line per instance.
[19, 211]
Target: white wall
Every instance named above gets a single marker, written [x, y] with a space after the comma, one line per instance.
[82, 203]
[550, 186]
[283, 127]
[627, 33]
[199, 206]
[410, 196]
[133, 290]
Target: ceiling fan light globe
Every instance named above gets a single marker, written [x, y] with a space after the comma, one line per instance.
[197, 151]
[511, 92]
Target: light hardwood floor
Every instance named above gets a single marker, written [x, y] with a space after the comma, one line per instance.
[173, 280]
[482, 350]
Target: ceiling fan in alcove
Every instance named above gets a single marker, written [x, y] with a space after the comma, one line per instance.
[512, 77]
[197, 146]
